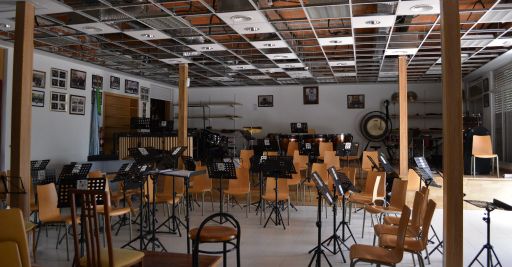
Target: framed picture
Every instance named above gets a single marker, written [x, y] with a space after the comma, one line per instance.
[265, 101]
[131, 87]
[37, 98]
[115, 83]
[144, 94]
[355, 101]
[59, 78]
[77, 105]
[97, 82]
[38, 79]
[77, 79]
[58, 102]
[310, 95]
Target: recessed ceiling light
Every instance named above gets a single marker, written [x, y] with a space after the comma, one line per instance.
[92, 28]
[280, 57]
[421, 8]
[207, 48]
[269, 45]
[147, 35]
[191, 53]
[372, 22]
[252, 29]
[336, 41]
[240, 18]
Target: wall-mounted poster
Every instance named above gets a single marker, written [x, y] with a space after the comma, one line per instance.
[144, 94]
[355, 101]
[38, 79]
[59, 78]
[131, 87]
[265, 101]
[37, 98]
[115, 83]
[58, 102]
[97, 82]
[310, 95]
[77, 79]
[77, 105]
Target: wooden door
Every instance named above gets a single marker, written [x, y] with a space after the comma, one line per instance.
[118, 111]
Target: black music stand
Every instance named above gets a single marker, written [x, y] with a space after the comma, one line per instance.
[344, 150]
[267, 145]
[75, 171]
[299, 127]
[323, 191]
[277, 167]
[489, 207]
[221, 171]
[257, 166]
[391, 174]
[144, 155]
[11, 185]
[36, 166]
[169, 159]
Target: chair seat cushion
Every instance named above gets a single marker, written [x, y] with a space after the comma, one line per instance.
[380, 209]
[385, 229]
[372, 254]
[60, 219]
[10, 254]
[214, 233]
[391, 220]
[360, 199]
[411, 244]
[122, 257]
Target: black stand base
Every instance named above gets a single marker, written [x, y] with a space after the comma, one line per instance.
[491, 256]
[319, 252]
[278, 220]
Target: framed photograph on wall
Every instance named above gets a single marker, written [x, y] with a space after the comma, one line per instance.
[131, 87]
[144, 94]
[77, 105]
[37, 98]
[77, 79]
[355, 101]
[58, 102]
[59, 78]
[115, 83]
[38, 79]
[265, 101]
[310, 95]
[97, 82]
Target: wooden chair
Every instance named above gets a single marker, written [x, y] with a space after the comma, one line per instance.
[394, 220]
[368, 197]
[282, 196]
[13, 241]
[379, 255]
[366, 164]
[331, 160]
[95, 254]
[397, 202]
[322, 147]
[169, 195]
[413, 245]
[241, 186]
[292, 146]
[245, 158]
[201, 184]
[482, 148]
[322, 171]
[351, 173]
[296, 177]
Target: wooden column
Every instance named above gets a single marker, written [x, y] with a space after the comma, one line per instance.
[452, 134]
[21, 117]
[183, 106]
[404, 118]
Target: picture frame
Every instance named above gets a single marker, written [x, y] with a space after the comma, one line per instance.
[97, 82]
[310, 95]
[77, 79]
[265, 100]
[58, 101]
[38, 79]
[355, 101]
[77, 105]
[58, 78]
[131, 87]
[38, 98]
[144, 94]
[115, 83]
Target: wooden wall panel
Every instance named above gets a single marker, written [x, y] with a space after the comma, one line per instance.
[117, 113]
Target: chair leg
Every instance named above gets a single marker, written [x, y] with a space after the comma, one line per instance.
[238, 253]
[473, 159]
[130, 224]
[248, 205]
[67, 248]
[224, 255]
[420, 260]
[498, 165]
[211, 199]
[288, 210]
[364, 220]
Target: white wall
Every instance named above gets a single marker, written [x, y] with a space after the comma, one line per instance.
[329, 116]
[60, 136]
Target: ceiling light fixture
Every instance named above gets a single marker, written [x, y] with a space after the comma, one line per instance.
[289, 66]
[421, 8]
[206, 48]
[269, 45]
[240, 18]
[147, 35]
[372, 22]
[336, 41]
[251, 29]
[92, 28]
[280, 57]
[191, 53]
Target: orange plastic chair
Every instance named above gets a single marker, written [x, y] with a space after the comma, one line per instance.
[482, 148]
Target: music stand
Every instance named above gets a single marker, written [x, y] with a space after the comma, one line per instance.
[489, 207]
[277, 167]
[311, 150]
[257, 166]
[299, 127]
[221, 171]
[391, 174]
[37, 168]
[267, 144]
[344, 150]
[11, 185]
[323, 191]
[75, 171]
[144, 155]
[169, 159]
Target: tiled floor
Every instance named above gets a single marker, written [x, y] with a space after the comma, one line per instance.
[273, 246]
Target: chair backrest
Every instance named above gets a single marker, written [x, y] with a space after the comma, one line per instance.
[366, 165]
[271, 153]
[355, 149]
[414, 180]
[427, 221]
[90, 226]
[242, 180]
[95, 174]
[292, 146]
[398, 193]
[417, 210]
[202, 181]
[47, 202]
[350, 172]
[397, 253]
[375, 190]
[296, 177]
[167, 185]
[331, 160]
[13, 239]
[324, 146]
[245, 158]
[381, 193]
[282, 186]
[301, 159]
[482, 145]
[321, 169]
[425, 191]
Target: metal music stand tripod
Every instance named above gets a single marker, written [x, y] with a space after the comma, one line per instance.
[221, 171]
[491, 254]
[277, 167]
[323, 191]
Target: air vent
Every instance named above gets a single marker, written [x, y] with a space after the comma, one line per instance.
[164, 23]
[328, 12]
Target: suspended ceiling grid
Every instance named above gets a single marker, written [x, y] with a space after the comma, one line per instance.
[265, 42]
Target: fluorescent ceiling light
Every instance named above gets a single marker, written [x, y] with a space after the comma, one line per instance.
[259, 77]
[290, 65]
[345, 74]
[373, 21]
[342, 63]
[501, 42]
[221, 79]
[419, 7]
[147, 35]
[299, 74]
[94, 28]
[401, 51]
[388, 74]
[173, 61]
[271, 70]
[497, 16]
[270, 44]
[207, 47]
[336, 41]
[242, 67]
[281, 56]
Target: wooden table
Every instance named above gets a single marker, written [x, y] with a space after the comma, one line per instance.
[172, 259]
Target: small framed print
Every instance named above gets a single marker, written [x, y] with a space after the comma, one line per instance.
[77, 80]
[144, 94]
[131, 87]
[97, 82]
[59, 78]
[58, 102]
[77, 105]
[265, 100]
[355, 101]
[37, 98]
[310, 95]
[38, 79]
[115, 83]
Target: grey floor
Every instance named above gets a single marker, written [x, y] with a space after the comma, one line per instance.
[273, 246]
